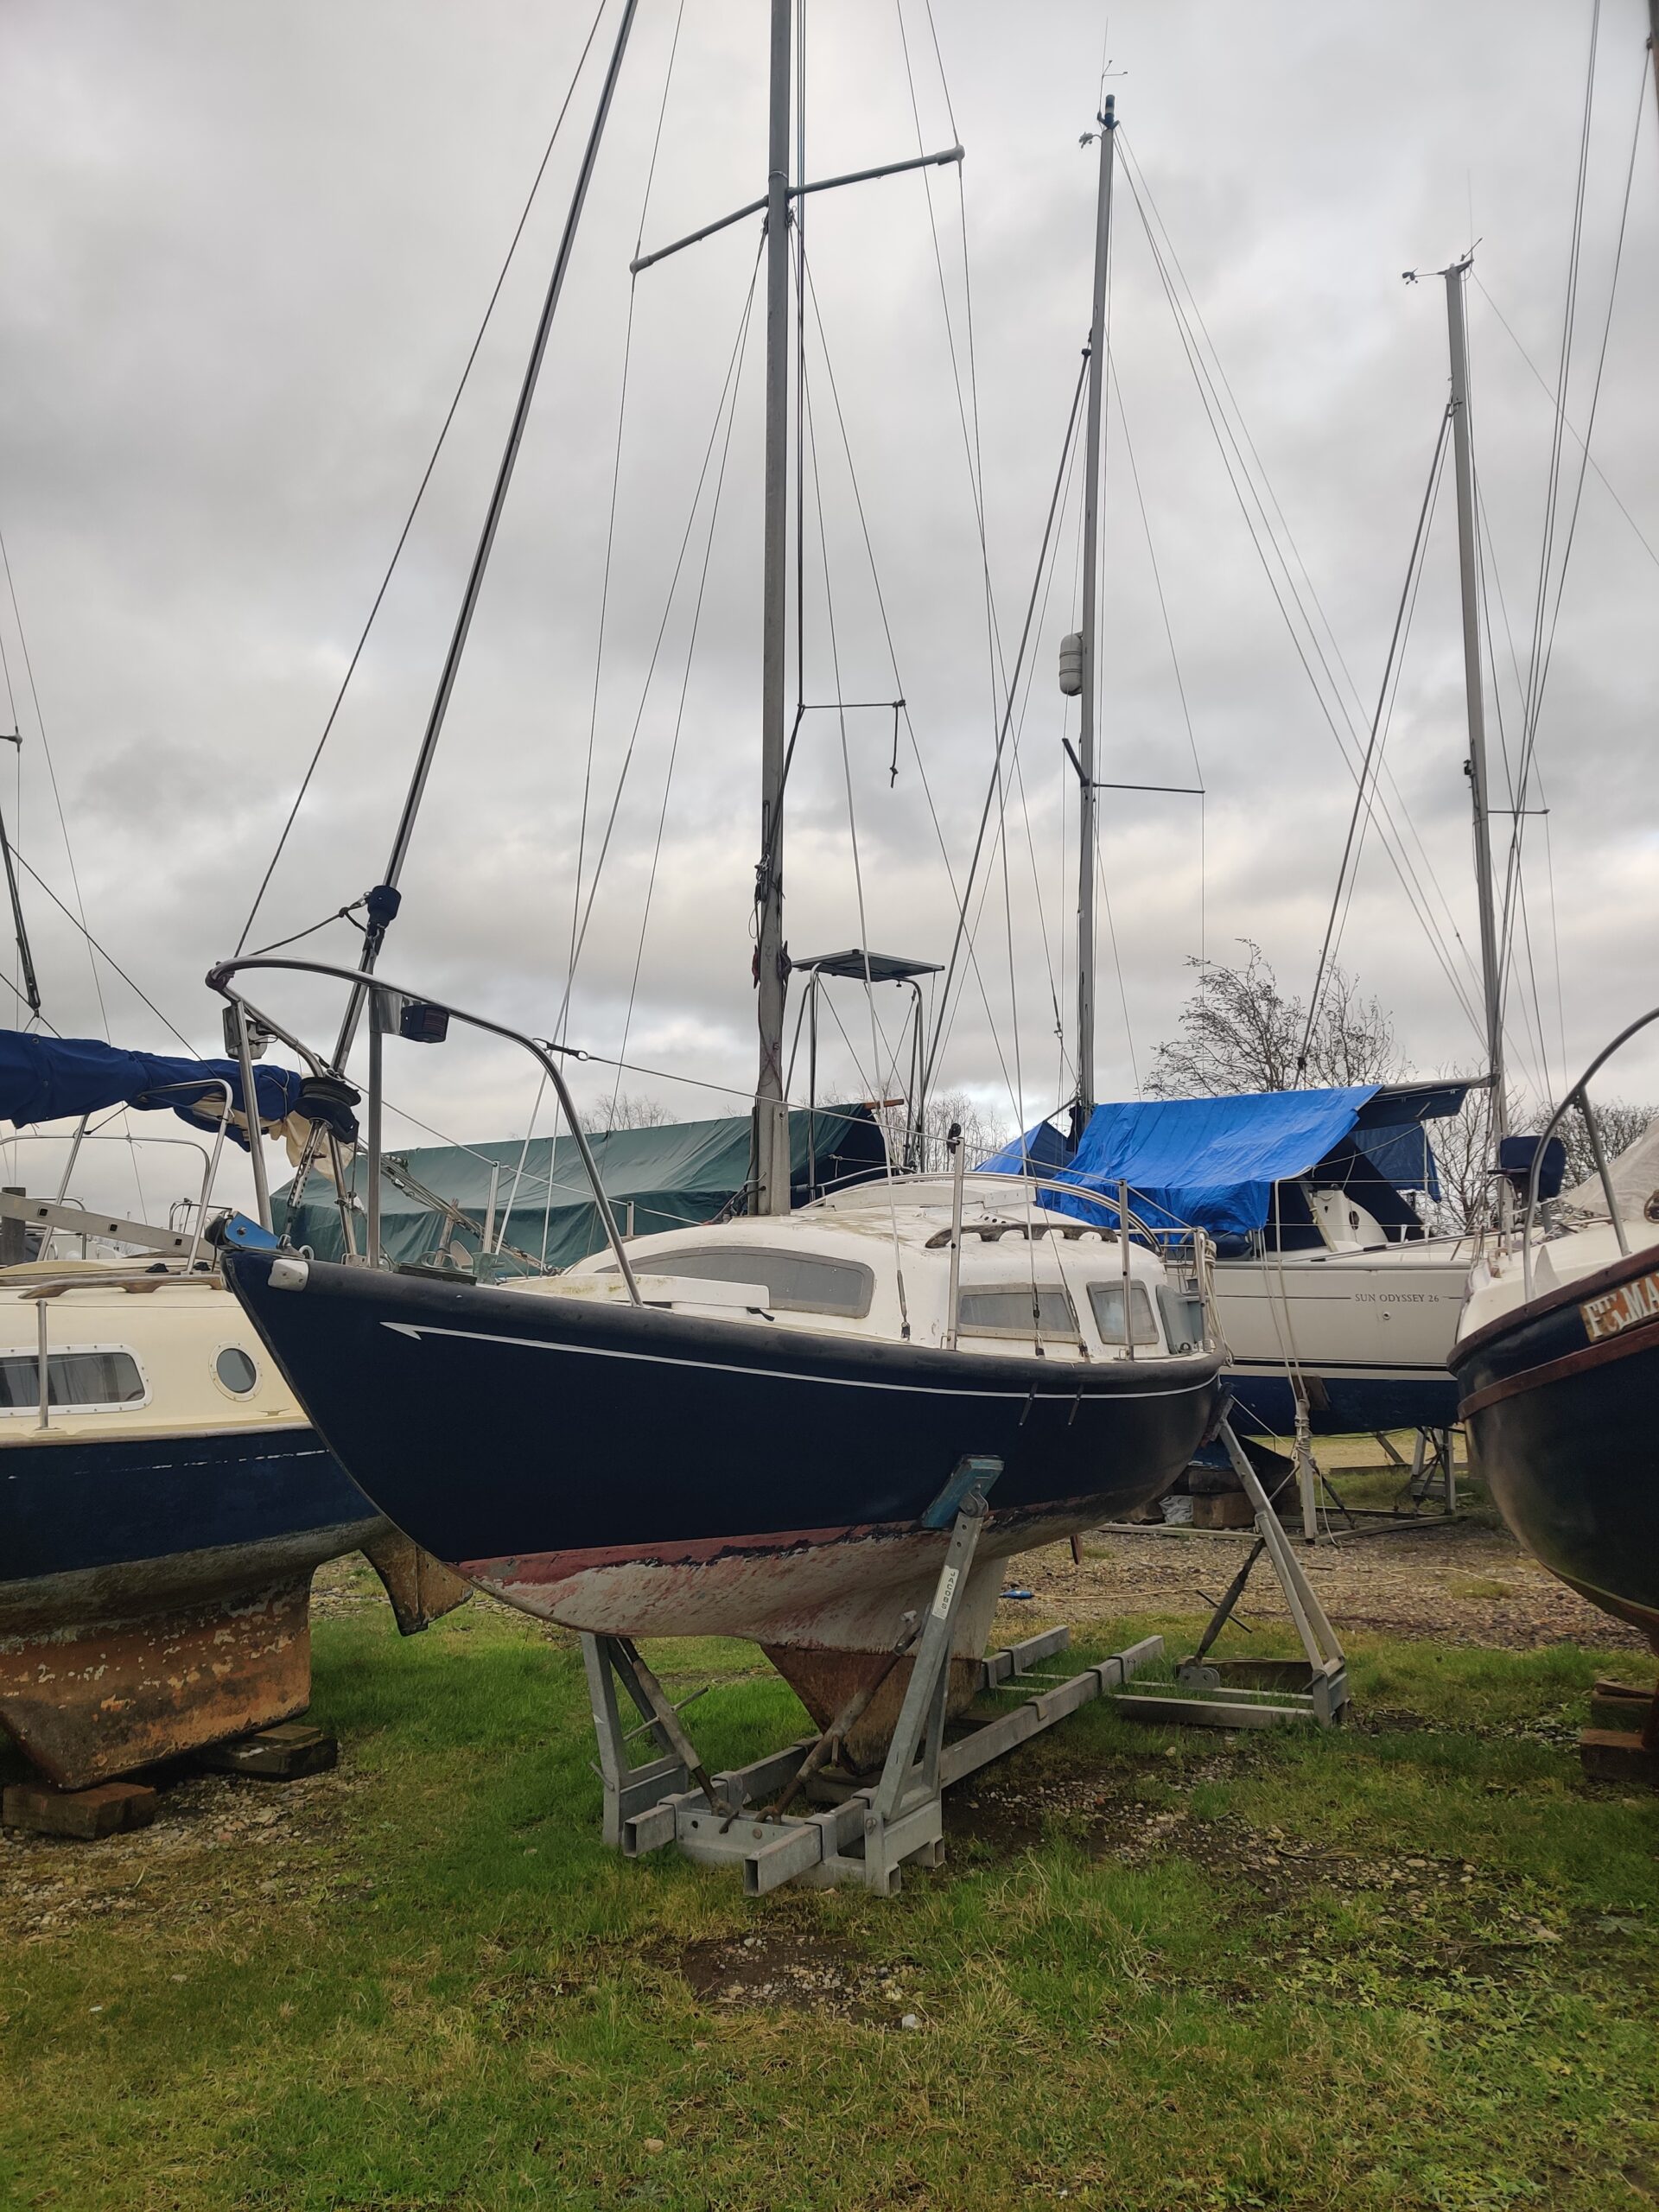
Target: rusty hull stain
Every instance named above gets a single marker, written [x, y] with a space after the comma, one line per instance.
[824, 1681]
[87, 1704]
[421, 1589]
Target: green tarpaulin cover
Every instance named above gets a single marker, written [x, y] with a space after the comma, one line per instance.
[672, 1177]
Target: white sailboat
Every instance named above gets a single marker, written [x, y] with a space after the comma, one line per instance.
[1338, 1307]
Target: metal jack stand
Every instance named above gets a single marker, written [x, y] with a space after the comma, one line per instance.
[848, 1833]
[1254, 1692]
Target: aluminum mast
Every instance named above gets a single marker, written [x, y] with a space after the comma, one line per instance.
[772, 961]
[1475, 767]
[1086, 785]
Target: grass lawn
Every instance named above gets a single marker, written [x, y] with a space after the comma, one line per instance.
[1409, 1964]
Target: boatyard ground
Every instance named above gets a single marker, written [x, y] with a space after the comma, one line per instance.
[1414, 1963]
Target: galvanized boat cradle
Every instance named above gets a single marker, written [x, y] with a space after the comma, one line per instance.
[867, 1833]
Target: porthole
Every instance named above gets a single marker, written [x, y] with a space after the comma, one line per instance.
[236, 1370]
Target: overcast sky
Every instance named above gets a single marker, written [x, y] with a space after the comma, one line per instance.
[243, 253]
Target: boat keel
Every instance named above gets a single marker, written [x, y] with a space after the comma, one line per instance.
[88, 1704]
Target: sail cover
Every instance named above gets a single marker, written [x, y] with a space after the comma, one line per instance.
[60, 1078]
[1213, 1163]
[537, 1200]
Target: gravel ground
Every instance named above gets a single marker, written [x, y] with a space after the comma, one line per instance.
[1460, 1580]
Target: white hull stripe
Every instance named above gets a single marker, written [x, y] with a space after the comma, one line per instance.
[770, 1373]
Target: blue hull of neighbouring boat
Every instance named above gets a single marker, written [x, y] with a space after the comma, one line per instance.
[81, 1505]
[1347, 1402]
[581, 1456]
[153, 1590]
[1560, 1399]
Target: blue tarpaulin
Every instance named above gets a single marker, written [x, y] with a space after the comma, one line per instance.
[1213, 1163]
[60, 1078]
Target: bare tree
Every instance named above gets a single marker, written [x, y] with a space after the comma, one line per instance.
[626, 1111]
[1464, 1153]
[1239, 1032]
[982, 1133]
[1462, 1145]
[1618, 1123]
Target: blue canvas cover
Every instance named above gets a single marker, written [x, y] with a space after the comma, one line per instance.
[1042, 1147]
[1205, 1163]
[1214, 1163]
[60, 1078]
[1400, 1154]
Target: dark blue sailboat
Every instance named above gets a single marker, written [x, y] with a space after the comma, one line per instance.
[1558, 1373]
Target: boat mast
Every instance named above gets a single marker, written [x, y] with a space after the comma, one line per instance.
[384, 900]
[771, 1164]
[1085, 1105]
[1475, 767]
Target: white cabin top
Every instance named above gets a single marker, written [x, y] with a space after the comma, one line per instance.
[1031, 1280]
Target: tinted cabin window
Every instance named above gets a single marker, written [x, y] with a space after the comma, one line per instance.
[72, 1378]
[236, 1370]
[797, 1282]
[1106, 1299]
[1008, 1312]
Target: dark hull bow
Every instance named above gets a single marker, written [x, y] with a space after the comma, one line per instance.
[1560, 1398]
[639, 1472]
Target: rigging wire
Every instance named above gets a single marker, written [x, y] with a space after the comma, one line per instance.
[962, 930]
[968, 416]
[1569, 317]
[967, 408]
[603, 613]
[1240, 480]
[811, 449]
[610, 525]
[1169, 634]
[680, 718]
[94, 947]
[57, 801]
[1544, 643]
[1544, 386]
[1117, 958]
[1055, 984]
[1388, 718]
[1277, 523]
[1485, 563]
[420, 495]
[1363, 799]
[899, 686]
[732, 370]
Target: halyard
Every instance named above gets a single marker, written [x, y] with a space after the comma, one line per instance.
[1414, 1962]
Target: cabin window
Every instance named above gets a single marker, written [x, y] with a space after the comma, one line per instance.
[1008, 1312]
[90, 1380]
[797, 1282]
[236, 1370]
[1106, 1299]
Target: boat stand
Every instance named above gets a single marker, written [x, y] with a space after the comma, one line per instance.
[1254, 1692]
[848, 1831]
